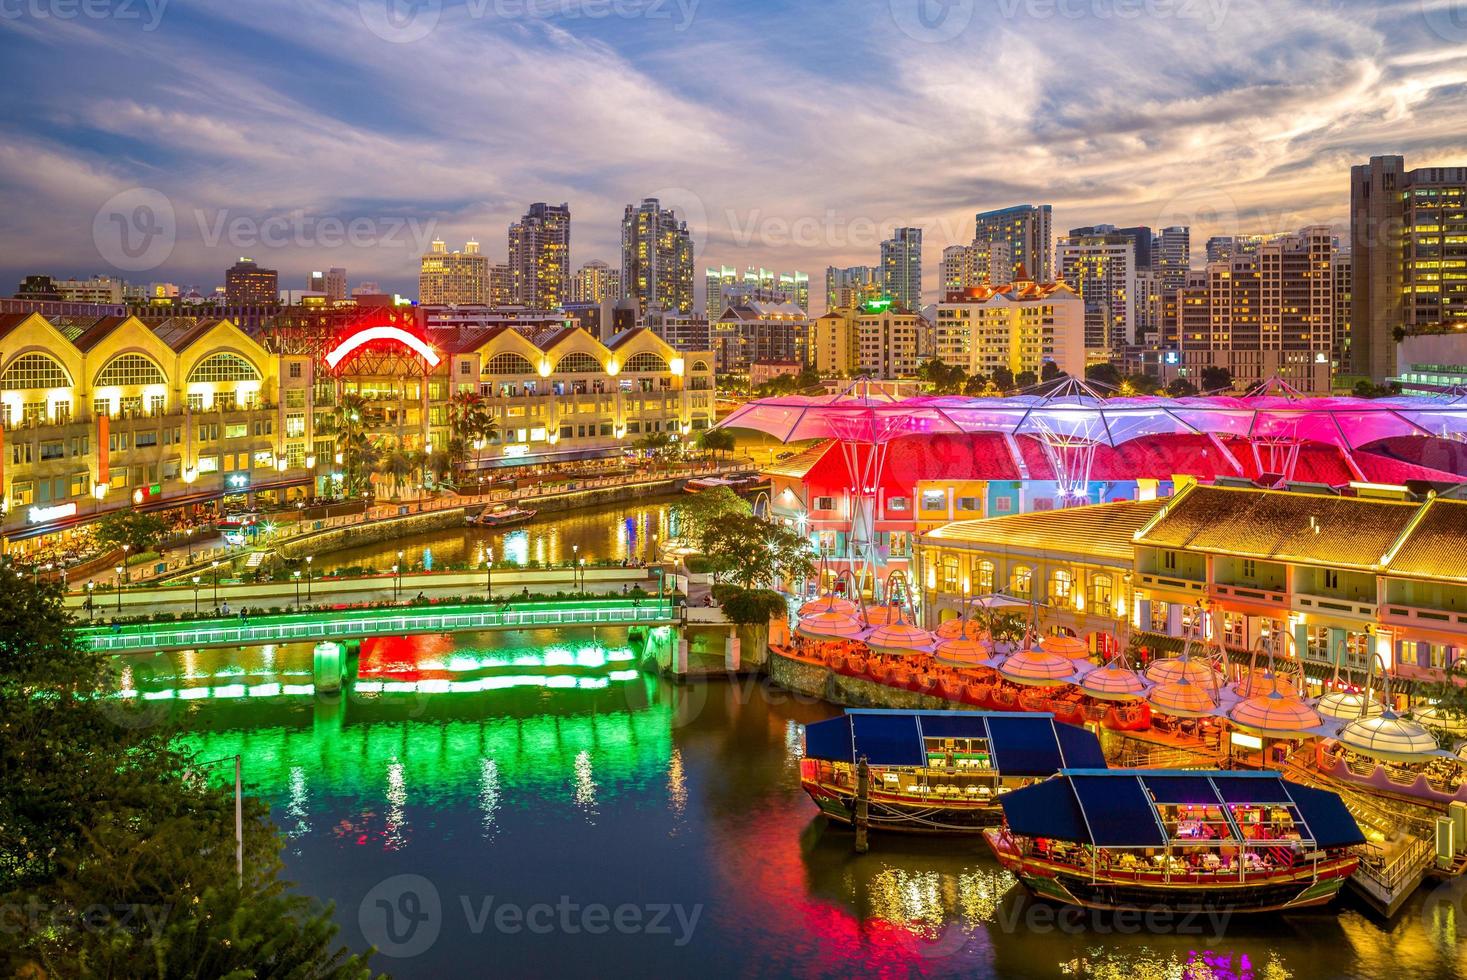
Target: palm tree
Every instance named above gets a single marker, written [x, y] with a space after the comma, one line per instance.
[396, 467]
[349, 424]
[470, 422]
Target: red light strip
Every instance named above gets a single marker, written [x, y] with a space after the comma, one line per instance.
[370, 334]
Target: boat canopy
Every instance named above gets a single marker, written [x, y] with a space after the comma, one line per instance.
[1021, 743]
[1117, 807]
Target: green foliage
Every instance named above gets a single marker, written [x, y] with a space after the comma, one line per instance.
[1216, 379]
[693, 514]
[944, 379]
[99, 810]
[698, 564]
[717, 441]
[140, 532]
[788, 384]
[1368, 389]
[1104, 373]
[1181, 388]
[753, 552]
[750, 607]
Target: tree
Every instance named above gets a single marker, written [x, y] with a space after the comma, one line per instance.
[749, 607]
[695, 513]
[1050, 371]
[1104, 373]
[1003, 378]
[396, 469]
[348, 421]
[471, 423]
[753, 552]
[1026, 379]
[944, 379]
[717, 441]
[140, 532]
[1180, 388]
[1216, 378]
[100, 813]
[655, 444]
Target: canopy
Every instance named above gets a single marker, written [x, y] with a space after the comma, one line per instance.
[962, 652]
[883, 615]
[828, 604]
[1021, 743]
[1435, 717]
[899, 638]
[1389, 737]
[1117, 807]
[969, 629]
[830, 625]
[1275, 715]
[1112, 683]
[1185, 667]
[1261, 683]
[1182, 699]
[1037, 668]
[1065, 646]
[1346, 705]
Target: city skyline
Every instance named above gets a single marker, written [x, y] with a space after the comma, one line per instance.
[297, 160]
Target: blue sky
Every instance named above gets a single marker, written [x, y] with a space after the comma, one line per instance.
[792, 135]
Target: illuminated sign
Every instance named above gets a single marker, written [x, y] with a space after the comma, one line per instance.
[371, 334]
[876, 305]
[518, 449]
[238, 480]
[1172, 357]
[1244, 741]
[39, 515]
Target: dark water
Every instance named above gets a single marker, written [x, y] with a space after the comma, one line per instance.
[527, 805]
[614, 532]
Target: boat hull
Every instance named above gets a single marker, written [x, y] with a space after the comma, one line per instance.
[1304, 887]
[904, 815]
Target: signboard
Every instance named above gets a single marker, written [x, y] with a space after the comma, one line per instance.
[40, 515]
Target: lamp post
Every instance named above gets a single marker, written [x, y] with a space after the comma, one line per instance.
[297, 576]
[118, 570]
[196, 597]
[125, 574]
[575, 559]
[91, 603]
[238, 811]
[583, 575]
[190, 533]
[309, 559]
[396, 581]
[215, 566]
[489, 574]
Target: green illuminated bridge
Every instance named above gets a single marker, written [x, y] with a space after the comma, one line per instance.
[347, 624]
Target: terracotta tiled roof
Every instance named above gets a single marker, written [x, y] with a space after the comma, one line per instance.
[1104, 531]
[1437, 546]
[1318, 529]
[624, 336]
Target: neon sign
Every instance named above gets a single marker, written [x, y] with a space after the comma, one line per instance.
[39, 515]
[367, 336]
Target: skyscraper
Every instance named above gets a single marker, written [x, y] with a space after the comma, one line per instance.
[539, 257]
[1101, 267]
[595, 282]
[1027, 229]
[336, 284]
[1171, 257]
[716, 281]
[796, 285]
[453, 278]
[246, 284]
[1408, 244]
[901, 267]
[844, 288]
[656, 258]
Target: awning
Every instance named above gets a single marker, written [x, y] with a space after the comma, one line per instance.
[1022, 743]
[1330, 823]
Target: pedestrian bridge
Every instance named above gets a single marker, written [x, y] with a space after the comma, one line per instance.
[349, 624]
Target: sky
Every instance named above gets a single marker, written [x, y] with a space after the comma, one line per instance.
[159, 140]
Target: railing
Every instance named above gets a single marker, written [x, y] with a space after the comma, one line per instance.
[359, 623]
[1402, 869]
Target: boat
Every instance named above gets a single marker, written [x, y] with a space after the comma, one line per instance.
[1181, 840]
[503, 515]
[936, 772]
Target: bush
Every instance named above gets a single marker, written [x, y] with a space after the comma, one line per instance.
[749, 607]
[698, 564]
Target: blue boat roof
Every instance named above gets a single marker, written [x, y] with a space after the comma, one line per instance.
[1022, 743]
[1117, 807]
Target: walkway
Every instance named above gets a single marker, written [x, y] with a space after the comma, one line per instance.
[357, 623]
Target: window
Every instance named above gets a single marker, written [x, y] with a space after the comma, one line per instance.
[225, 366]
[1021, 581]
[645, 363]
[53, 450]
[1316, 644]
[983, 578]
[119, 442]
[295, 370]
[1061, 587]
[949, 573]
[509, 364]
[1235, 630]
[578, 363]
[1330, 578]
[295, 398]
[196, 401]
[934, 500]
[1159, 615]
[30, 372]
[147, 439]
[823, 503]
[1169, 560]
[1249, 568]
[898, 503]
[970, 504]
[126, 370]
[236, 430]
[466, 367]
[1100, 594]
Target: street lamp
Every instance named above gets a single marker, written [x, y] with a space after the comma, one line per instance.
[309, 558]
[215, 565]
[196, 597]
[118, 570]
[489, 574]
[297, 576]
[91, 603]
[125, 549]
[583, 575]
[190, 533]
[396, 581]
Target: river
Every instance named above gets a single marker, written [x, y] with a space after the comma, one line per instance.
[602, 533]
[528, 804]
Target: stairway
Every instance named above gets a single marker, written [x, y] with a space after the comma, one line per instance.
[256, 559]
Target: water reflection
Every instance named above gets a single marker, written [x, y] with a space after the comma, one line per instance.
[488, 794]
[396, 795]
[585, 785]
[677, 788]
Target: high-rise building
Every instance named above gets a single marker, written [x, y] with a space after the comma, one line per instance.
[833, 344]
[595, 282]
[979, 264]
[656, 258]
[1268, 313]
[796, 286]
[716, 280]
[850, 286]
[1171, 256]
[246, 284]
[1408, 245]
[747, 333]
[501, 285]
[539, 257]
[453, 278]
[98, 289]
[1342, 278]
[316, 283]
[335, 282]
[1027, 229]
[1141, 238]
[901, 267]
[1016, 326]
[890, 340]
[1102, 269]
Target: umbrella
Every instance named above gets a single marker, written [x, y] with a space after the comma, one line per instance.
[1172, 669]
[884, 615]
[828, 604]
[962, 652]
[1114, 683]
[1182, 698]
[1435, 717]
[1065, 646]
[899, 638]
[964, 628]
[1038, 668]
[1259, 683]
[1275, 715]
[1389, 737]
[830, 626]
[1346, 706]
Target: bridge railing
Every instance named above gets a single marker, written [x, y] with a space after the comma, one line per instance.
[373, 622]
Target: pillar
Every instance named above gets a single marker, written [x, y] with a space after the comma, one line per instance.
[328, 665]
[731, 650]
[680, 662]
